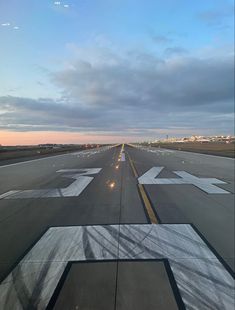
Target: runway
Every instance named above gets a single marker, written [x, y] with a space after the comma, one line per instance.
[118, 228]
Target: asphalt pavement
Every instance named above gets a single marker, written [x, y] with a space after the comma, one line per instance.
[96, 229]
[212, 214]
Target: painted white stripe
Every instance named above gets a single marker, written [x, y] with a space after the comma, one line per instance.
[82, 171]
[74, 189]
[202, 280]
[10, 193]
[149, 176]
[205, 184]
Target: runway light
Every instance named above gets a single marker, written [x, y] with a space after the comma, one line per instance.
[112, 185]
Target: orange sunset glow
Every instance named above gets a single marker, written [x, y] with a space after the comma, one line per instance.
[40, 137]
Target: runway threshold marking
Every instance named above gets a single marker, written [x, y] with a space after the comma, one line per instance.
[147, 204]
[201, 279]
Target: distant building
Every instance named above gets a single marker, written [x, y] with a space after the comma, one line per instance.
[199, 139]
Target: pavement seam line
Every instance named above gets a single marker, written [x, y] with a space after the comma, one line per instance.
[118, 240]
[144, 197]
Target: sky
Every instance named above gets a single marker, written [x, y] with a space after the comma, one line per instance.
[86, 71]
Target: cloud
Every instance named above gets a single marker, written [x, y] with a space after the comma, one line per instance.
[143, 80]
[161, 39]
[217, 17]
[134, 92]
[176, 50]
[5, 24]
[8, 25]
[59, 3]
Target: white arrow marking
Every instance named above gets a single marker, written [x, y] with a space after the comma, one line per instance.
[205, 184]
[74, 189]
[202, 280]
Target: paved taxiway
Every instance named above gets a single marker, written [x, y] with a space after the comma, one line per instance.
[107, 198]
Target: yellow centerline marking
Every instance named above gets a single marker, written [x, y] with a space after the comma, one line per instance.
[145, 199]
[133, 167]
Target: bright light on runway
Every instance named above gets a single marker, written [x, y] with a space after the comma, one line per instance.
[112, 185]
